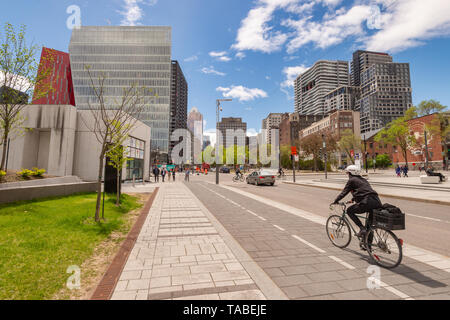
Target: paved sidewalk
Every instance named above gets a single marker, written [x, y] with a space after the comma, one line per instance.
[180, 254]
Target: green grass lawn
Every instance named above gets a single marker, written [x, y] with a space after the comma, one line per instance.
[40, 239]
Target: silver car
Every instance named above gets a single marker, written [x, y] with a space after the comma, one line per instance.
[261, 177]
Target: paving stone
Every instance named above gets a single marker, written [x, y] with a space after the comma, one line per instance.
[242, 295]
[355, 295]
[214, 296]
[317, 289]
[294, 292]
[191, 279]
[124, 295]
[138, 284]
[160, 282]
[288, 281]
[230, 275]
[298, 270]
[235, 266]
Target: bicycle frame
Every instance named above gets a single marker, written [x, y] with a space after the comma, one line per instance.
[344, 216]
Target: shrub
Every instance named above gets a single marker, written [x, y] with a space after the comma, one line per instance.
[25, 173]
[2, 174]
[38, 172]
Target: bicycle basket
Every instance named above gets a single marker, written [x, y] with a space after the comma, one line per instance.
[383, 218]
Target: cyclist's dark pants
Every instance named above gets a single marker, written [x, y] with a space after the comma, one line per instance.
[363, 207]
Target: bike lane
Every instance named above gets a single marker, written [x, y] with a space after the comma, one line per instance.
[295, 252]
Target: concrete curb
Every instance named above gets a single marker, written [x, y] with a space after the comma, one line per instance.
[381, 194]
[106, 287]
[270, 290]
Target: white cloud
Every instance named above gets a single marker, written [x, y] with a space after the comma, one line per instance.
[190, 59]
[240, 55]
[242, 93]
[291, 74]
[211, 70]
[408, 23]
[252, 132]
[133, 13]
[221, 56]
[382, 25]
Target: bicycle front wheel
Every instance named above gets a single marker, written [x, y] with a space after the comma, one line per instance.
[384, 247]
[242, 178]
[338, 231]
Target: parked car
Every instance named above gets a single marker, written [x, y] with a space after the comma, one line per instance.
[224, 170]
[261, 177]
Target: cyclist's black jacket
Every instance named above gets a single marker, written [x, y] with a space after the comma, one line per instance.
[360, 189]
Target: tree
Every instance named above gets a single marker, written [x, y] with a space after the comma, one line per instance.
[428, 107]
[398, 133]
[112, 119]
[20, 81]
[348, 142]
[311, 145]
[116, 155]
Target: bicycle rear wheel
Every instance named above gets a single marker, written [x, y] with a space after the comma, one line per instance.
[338, 231]
[384, 247]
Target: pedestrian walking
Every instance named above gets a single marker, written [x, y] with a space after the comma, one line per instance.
[156, 174]
[163, 174]
[398, 171]
[173, 175]
[405, 171]
[186, 175]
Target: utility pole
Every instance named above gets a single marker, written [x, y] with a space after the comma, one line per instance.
[325, 155]
[218, 109]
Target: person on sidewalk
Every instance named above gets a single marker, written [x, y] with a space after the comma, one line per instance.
[405, 171]
[431, 173]
[186, 176]
[156, 174]
[163, 174]
[365, 197]
[173, 175]
[398, 171]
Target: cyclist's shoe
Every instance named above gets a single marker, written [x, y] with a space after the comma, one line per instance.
[362, 233]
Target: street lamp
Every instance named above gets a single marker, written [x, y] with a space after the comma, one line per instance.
[219, 108]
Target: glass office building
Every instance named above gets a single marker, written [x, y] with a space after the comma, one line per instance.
[126, 55]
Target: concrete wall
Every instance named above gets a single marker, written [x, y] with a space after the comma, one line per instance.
[48, 142]
[38, 192]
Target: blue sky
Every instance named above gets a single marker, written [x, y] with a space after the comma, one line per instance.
[251, 50]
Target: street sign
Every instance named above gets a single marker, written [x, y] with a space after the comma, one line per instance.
[296, 158]
[293, 150]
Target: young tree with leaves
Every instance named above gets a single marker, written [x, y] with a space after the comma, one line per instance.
[112, 119]
[398, 133]
[21, 80]
[348, 142]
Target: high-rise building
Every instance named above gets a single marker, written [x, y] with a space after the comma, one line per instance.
[195, 123]
[272, 122]
[60, 78]
[178, 101]
[385, 94]
[239, 129]
[312, 86]
[364, 59]
[138, 55]
[342, 98]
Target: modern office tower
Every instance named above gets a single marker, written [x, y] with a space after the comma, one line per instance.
[364, 59]
[127, 55]
[60, 77]
[234, 124]
[195, 123]
[385, 94]
[206, 142]
[312, 86]
[342, 98]
[178, 101]
[272, 122]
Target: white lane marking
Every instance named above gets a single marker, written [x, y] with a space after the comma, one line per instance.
[279, 228]
[308, 243]
[251, 212]
[427, 218]
[262, 218]
[345, 264]
[442, 262]
[393, 290]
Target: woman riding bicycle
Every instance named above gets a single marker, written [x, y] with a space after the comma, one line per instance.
[365, 197]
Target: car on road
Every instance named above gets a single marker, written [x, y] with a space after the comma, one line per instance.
[261, 177]
[224, 170]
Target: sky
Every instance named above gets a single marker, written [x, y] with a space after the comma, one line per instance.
[251, 51]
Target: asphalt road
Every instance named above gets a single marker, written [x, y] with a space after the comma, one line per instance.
[427, 225]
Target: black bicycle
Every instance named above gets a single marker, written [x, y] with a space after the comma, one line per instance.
[382, 245]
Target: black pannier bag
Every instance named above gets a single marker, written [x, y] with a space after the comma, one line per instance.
[389, 217]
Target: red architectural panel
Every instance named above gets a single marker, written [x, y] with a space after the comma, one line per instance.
[60, 77]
